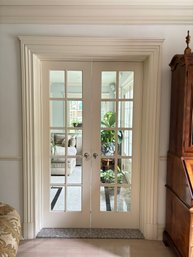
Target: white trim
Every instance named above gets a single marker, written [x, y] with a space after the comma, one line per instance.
[36, 49]
[150, 143]
[163, 158]
[28, 141]
[109, 12]
[10, 158]
[161, 228]
[97, 2]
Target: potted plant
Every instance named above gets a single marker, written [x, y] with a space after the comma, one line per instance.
[108, 136]
[77, 124]
[108, 176]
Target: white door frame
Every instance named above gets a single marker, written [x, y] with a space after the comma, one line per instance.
[35, 49]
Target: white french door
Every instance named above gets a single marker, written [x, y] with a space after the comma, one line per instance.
[116, 102]
[92, 123]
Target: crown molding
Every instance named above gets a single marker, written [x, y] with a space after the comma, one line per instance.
[10, 158]
[63, 12]
[97, 2]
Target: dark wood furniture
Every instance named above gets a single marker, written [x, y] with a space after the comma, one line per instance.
[179, 184]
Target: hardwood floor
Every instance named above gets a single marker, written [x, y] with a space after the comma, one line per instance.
[93, 248]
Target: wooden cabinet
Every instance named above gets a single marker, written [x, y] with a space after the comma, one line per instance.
[179, 185]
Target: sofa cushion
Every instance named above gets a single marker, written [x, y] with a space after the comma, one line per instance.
[10, 230]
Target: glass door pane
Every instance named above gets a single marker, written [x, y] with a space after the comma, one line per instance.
[66, 139]
[116, 139]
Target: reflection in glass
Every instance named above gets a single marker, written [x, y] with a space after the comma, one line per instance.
[57, 160]
[106, 198]
[78, 141]
[57, 79]
[75, 144]
[123, 199]
[74, 198]
[125, 168]
[57, 111]
[126, 79]
[76, 176]
[57, 196]
[108, 114]
[125, 117]
[108, 138]
[53, 135]
[57, 177]
[59, 151]
[57, 138]
[65, 141]
[72, 142]
[116, 140]
[107, 172]
[58, 166]
[125, 148]
[74, 113]
[108, 86]
[71, 164]
[74, 84]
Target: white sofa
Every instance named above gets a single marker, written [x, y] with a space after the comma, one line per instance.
[74, 148]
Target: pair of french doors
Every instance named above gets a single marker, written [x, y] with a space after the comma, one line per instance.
[91, 144]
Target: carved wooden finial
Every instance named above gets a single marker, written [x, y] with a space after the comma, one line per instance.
[187, 50]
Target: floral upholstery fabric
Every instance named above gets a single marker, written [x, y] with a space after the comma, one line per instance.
[10, 230]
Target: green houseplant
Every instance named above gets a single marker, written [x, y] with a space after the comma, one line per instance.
[108, 135]
[108, 143]
[77, 124]
[108, 176]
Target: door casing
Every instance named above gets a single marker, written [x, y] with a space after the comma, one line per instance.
[35, 49]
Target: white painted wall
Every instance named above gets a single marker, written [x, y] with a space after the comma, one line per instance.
[10, 94]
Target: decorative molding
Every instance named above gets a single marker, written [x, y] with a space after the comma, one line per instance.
[36, 49]
[161, 228]
[10, 158]
[97, 2]
[150, 143]
[163, 158]
[108, 12]
[82, 48]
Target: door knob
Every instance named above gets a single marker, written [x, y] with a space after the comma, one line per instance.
[86, 155]
[95, 155]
